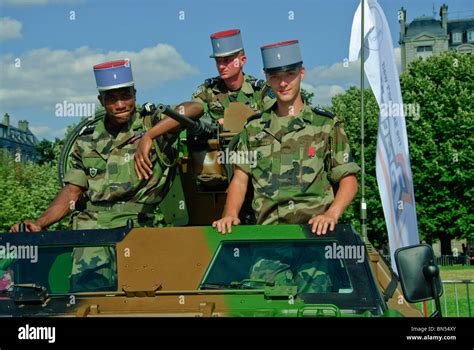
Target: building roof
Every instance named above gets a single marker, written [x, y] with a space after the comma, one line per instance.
[461, 25]
[18, 135]
[424, 24]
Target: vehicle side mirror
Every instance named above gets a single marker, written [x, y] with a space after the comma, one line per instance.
[419, 275]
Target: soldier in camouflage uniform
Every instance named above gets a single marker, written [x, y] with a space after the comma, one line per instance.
[102, 169]
[232, 85]
[230, 90]
[302, 154]
[227, 99]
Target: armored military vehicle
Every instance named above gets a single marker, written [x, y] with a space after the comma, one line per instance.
[195, 271]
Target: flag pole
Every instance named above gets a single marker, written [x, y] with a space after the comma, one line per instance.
[363, 205]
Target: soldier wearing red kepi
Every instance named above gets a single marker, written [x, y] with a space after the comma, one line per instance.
[302, 154]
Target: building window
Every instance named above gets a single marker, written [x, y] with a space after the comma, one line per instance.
[424, 49]
[457, 38]
[470, 36]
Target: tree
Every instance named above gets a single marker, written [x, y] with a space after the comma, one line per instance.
[27, 190]
[49, 151]
[440, 140]
[307, 96]
[347, 106]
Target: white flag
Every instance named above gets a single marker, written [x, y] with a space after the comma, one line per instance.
[393, 169]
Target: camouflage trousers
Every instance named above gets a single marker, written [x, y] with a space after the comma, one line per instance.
[283, 269]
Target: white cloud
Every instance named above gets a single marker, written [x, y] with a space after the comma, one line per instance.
[47, 132]
[9, 29]
[323, 93]
[327, 81]
[46, 77]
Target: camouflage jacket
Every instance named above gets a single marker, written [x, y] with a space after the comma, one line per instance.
[104, 166]
[214, 96]
[298, 158]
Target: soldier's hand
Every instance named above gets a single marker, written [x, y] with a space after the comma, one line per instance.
[320, 223]
[226, 224]
[29, 227]
[141, 158]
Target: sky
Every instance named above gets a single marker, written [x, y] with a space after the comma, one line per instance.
[48, 47]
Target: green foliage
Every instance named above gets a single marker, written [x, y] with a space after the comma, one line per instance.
[440, 141]
[348, 105]
[306, 96]
[49, 151]
[27, 190]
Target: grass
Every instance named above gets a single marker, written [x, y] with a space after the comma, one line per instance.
[448, 299]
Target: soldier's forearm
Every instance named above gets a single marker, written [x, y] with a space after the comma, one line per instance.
[344, 196]
[236, 194]
[164, 126]
[64, 202]
[189, 109]
[234, 202]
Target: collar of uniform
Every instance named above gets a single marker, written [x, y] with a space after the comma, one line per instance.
[219, 86]
[247, 85]
[307, 114]
[298, 121]
[133, 124]
[104, 140]
[126, 133]
[99, 129]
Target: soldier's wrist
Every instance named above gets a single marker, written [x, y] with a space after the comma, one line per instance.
[39, 223]
[147, 135]
[334, 213]
[231, 214]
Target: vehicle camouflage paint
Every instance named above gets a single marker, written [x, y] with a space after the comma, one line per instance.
[195, 271]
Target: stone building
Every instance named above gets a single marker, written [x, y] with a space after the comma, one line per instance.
[19, 141]
[426, 35]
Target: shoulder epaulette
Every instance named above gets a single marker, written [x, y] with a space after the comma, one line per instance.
[253, 117]
[211, 82]
[147, 108]
[257, 84]
[86, 130]
[323, 112]
[267, 91]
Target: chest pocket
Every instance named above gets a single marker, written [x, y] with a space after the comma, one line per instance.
[264, 163]
[94, 165]
[312, 159]
[95, 168]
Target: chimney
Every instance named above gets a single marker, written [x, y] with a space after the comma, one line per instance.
[443, 13]
[23, 125]
[402, 15]
[6, 119]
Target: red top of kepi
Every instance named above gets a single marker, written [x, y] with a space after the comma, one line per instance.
[225, 33]
[112, 64]
[283, 43]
